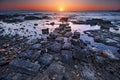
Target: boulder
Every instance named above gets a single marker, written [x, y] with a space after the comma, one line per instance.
[55, 46]
[36, 47]
[67, 46]
[55, 71]
[45, 31]
[68, 34]
[64, 19]
[109, 54]
[76, 35]
[52, 23]
[93, 49]
[66, 56]
[46, 59]
[23, 66]
[59, 39]
[31, 18]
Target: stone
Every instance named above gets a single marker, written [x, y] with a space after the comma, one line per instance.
[36, 46]
[68, 34]
[77, 42]
[55, 46]
[76, 35]
[93, 49]
[46, 59]
[55, 71]
[45, 31]
[66, 56]
[67, 46]
[67, 28]
[31, 18]
[23, 66]
[79, 22]
[109, 54]
[59, 39]
[52, 23]
[64, 19]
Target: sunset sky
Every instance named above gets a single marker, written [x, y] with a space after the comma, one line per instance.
[54, 5]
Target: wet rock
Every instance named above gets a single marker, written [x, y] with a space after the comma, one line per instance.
[55, 71]
[36, 46]
[59, 39]
[29, 54]
[93, 49]
[25, 67]
[67, 46]
[116, 28]
[45, 31]
[67, 28]
[64, 19]
[54, 35]
[109, 54]
[66, 56]
[77, 42]
[31, 18]
[36, 24]
[79, 22]
[12, 20]
[52, 23]
[76, 35]
[68, 34]
[46, 59]
[55, 46]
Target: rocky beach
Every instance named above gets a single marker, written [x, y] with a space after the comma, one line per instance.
[60, 46]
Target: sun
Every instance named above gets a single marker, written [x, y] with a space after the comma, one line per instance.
[61, 9]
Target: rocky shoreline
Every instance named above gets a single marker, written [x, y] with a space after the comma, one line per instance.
[60, 54]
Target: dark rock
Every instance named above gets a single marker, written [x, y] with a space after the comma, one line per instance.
[79, 22]
[36, 46]
[76, 35]
[93, 49]
[36, 24]
[64, 19]
[55, 46]
[68, 34]
[67, 46]
[77, 42]
[31, 18]
[25, 67]
[46, 59]
[66, 56]
[12, 20]
[45, 31]
[52, 23]
[59, 39]
[55, 71]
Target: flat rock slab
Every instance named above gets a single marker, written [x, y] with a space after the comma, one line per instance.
[25, 67]
[55, 71]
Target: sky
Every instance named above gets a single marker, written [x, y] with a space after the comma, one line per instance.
[54, 5]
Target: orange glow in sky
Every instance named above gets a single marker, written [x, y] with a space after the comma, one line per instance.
[63, 5]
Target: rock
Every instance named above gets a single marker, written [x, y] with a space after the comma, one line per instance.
[31, 18]
[25, 67]
[93, 49]
[46, 59]
[12, 20]
[55, 46]
[59, 39]
[109, 54]
[64, 19]
[68, 34]
[66, 56]
[54, 35]
[45, 31]
[52, 23]
[79, 22]
[55, 71]
[36, 47]
[116, 28]
[67, 28]
[29, 54]
[67, 46]
[77, 42]
[76, 35]
[36, 24]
